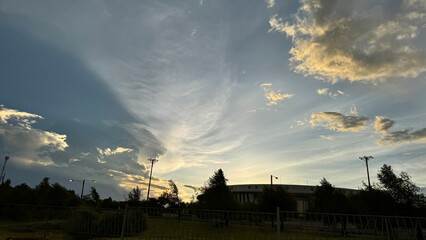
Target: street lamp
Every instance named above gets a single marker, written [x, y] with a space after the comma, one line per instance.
[82, 186]
[366, 159]
[272, 178]
[4, 167]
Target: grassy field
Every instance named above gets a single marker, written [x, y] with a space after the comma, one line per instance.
[172, 229]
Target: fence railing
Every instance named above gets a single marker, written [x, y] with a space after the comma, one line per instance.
[87, 223]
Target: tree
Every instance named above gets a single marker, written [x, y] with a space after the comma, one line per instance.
[328, 199]
[134, 196]
[401, 188]
[271, 198]
[94, 195]
[170, 198]
[217, 195]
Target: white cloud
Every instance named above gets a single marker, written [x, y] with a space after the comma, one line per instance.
[338, 122]
[335, 41]
[109, 152]
[327, 92]
[272, 96]
[329, 138]
[22, 119]
[270, 3]
[28, 145]
[322, 91]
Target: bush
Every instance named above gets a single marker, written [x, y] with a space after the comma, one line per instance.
[83, 224]
[87, 223]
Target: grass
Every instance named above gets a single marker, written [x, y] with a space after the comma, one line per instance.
[159, 229]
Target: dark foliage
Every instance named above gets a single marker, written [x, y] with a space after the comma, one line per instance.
[401, 188]
[42, 194]
[274, 197]
[217, 195]
[87, 223]
[134, 196]
[170, 198]
[328, 199]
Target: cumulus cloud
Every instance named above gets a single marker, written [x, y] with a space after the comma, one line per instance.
[382, 126]
[338, 122]
[339, 40]
[272, 96]
[23, 119]
[28, 145]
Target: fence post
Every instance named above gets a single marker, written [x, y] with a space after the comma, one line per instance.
[278, 222]
[124, 221]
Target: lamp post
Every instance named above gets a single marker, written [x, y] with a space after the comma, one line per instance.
[4, 167]
[272, 178]
[152, 160]
[82, 185]
[366, 159]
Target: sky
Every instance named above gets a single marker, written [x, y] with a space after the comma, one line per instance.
[295, 89]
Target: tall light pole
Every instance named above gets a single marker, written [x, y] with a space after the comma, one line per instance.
[4, 167]
[152, 160]
[272, 178]
[366, 159]
[82, 185]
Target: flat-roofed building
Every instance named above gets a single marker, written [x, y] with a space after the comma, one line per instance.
[248, 193]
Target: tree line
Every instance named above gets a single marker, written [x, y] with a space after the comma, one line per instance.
[392, 195]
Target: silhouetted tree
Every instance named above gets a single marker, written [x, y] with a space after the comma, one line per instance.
[134, 196]
[271, 198]
[170, 198]
[401, 188]
[328, 199]
[217, 195]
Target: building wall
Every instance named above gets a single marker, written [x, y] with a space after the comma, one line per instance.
[248, 193]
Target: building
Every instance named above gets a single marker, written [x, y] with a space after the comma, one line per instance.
[248, 193]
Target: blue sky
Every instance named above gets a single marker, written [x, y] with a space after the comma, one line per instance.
[300, 90]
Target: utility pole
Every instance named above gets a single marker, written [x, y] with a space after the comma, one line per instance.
[152, 160]
[366, 159]
[4, 167]
[272, 178]
[82, 185]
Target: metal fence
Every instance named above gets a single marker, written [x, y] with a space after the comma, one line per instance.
[160, 223]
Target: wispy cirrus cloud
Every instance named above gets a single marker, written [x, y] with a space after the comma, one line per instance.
[383, 125]
[272, 96]
[338, 122]
[335, 41]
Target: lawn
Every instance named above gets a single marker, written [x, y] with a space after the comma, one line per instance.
[172, 229]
